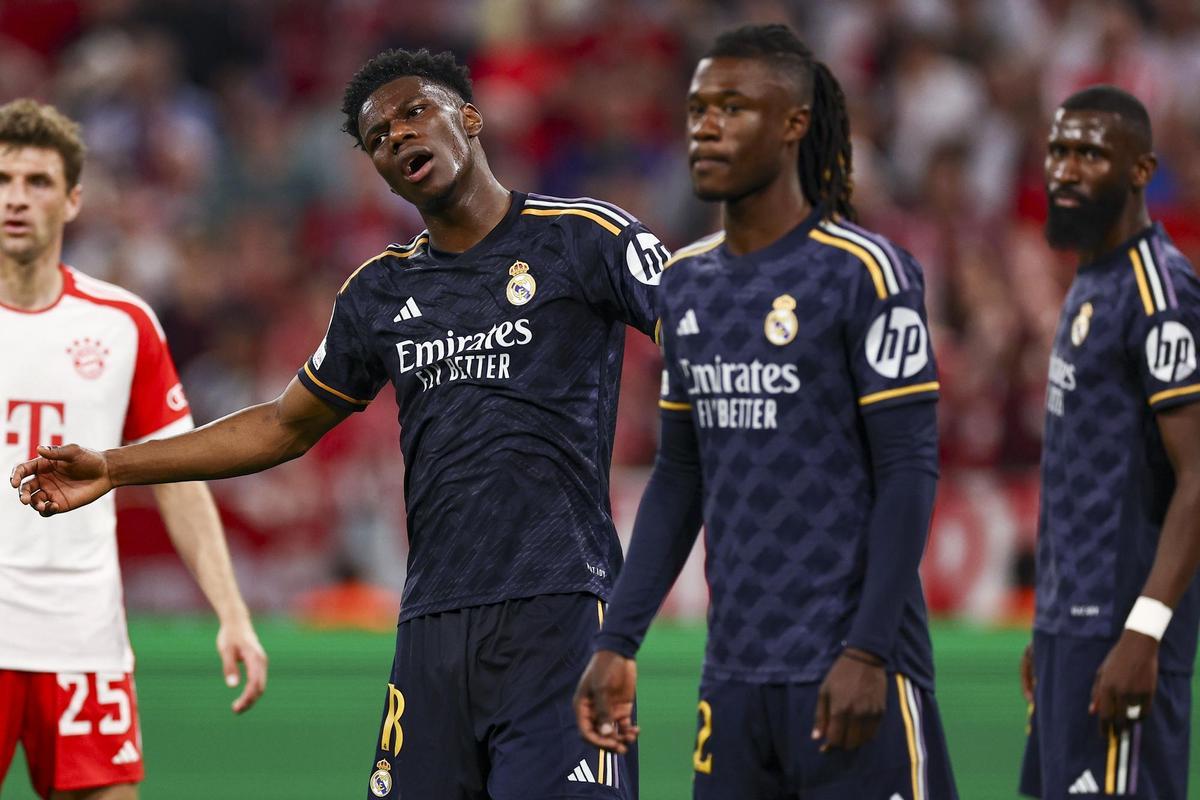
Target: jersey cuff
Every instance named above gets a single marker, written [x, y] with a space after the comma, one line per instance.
[1169, 398]
[622, 644]
[670, 405]
[903, 394]
[327, 394]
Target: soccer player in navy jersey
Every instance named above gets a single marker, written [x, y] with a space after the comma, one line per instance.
[1108, 674]
[798, 422]
[501, 329]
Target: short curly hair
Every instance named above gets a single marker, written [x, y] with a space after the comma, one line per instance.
[28, 123]
[1109, 99]
[442, 68]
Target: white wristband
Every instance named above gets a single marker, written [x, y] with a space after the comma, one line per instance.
[1149, 616]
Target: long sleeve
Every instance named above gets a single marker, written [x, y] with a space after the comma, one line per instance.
[903, 445]
[668, 520]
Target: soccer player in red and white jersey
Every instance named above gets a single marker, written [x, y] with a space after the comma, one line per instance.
[100, 371]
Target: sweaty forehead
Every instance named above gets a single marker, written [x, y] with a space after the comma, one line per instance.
[1093, 127]
[751, 77]
[384, 101]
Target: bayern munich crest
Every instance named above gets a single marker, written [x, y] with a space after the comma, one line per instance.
[1082, 324]
[521, 286]
[381, 779]
[88, 357]
[781, 325]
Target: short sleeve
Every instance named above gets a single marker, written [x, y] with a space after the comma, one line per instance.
[157, 404]
[343, 372]
[1162, 340]
[890, 352]
[624, 282]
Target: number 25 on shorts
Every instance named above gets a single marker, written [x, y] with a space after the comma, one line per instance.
[109, 692]
[700, 761]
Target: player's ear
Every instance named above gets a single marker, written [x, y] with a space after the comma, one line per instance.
[796, 123]
[74, 202]
[1143, 170]
[472, 120]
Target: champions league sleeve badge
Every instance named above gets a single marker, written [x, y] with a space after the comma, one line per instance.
[1082, 324]
[381, 779]
[781, 325]
[521, 286]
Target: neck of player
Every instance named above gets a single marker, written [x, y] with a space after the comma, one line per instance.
[31, 285]
[763, 216]
[477, 206]
[1134, 218]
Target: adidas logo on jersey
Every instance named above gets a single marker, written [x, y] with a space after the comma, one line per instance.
[1084, 784]
[688, 325]
[409, 311]
[128, 754]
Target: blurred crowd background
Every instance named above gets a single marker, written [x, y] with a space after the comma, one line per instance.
[220, 187]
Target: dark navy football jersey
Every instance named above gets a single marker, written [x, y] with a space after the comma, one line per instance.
[1124, 350]
[506, 362]
[776, 356]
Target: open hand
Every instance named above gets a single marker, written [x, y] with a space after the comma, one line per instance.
[61, 479]
[238, 643]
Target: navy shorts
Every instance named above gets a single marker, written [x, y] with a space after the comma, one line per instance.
[1066, 754]
[479, 706]
[754, 741]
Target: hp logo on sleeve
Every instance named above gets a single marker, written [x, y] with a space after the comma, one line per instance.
[897, 345]
[646, 256]
[1170, 352]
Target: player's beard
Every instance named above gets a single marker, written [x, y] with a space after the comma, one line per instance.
[1085, 226]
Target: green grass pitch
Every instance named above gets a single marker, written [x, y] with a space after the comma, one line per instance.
[311, 735]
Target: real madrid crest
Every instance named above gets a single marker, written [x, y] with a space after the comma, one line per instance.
[781, 325]
[381, 779]
[1082, 324]
[521, 286]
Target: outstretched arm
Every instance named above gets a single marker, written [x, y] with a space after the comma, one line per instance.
[1126, 682]
[195, 529]
[251, 440]
[668, 519]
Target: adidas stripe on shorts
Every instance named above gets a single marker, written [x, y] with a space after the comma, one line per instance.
[1067, 755]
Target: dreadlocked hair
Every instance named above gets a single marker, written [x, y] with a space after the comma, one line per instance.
[389, 65]
[825, 161]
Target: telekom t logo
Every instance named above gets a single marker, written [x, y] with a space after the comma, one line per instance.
[38, 421]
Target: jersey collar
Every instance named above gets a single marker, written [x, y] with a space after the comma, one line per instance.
[516, 204]
[785, 244]
[1120, 253]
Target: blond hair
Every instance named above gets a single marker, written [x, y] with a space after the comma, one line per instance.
[28, 123]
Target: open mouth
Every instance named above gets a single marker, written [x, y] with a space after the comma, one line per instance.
[16, 227]
[417, 166]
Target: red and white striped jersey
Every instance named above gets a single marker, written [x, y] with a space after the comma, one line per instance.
[93, 368]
